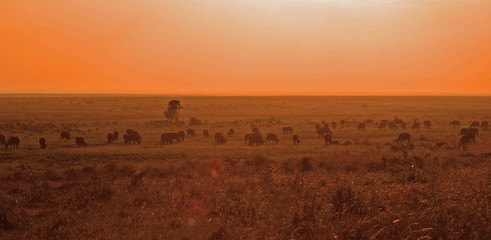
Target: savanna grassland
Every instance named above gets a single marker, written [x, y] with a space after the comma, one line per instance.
[366, 187]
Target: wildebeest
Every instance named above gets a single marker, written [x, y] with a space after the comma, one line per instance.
[181, 135]
[2, 139]
[392, 126]
[132, 136]
[168, 138]
[474, 125]
[42, 143]
[272, 138]
[65, 135]
[80, 142]
[256, 139]
[361, 126]
[231, 132]
[248, 137]
[321, 132]
[466, 139]
[403, 125]
[484, 125]
[115, 135]
[382, 125]
[404, 137]
[328, 139]
[255, 130]
[296, 140]
[427, 124]
[287, 130]
[368, 121]
[317, 126]
[465, 131]
[220, 138]
[190, 132]
[415, 125]
[455, 123]
[13, 141]
[110, 138]
[206, 133]
[334, 124]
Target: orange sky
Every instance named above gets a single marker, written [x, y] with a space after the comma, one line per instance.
[245, 46]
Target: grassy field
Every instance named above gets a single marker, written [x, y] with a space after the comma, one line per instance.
[366, 187]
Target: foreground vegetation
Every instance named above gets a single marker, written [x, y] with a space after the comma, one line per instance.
[372, 188]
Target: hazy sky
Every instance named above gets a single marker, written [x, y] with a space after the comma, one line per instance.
[245, 46]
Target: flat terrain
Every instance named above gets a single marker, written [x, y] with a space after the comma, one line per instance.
[366, 187]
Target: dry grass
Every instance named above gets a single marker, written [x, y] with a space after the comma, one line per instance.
[371, 189]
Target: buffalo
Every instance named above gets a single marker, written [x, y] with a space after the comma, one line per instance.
[455, 123]
[181, 135]
[220, 138]
[287, 130]
[231, 132]
[206, 133]
[272, 138]
[404, 137]
[13, 141]
[427, 124]
[2, 139]
[190, 132]
[328, 139]
[132, 136]
[65, 136]
[361, 127]
[110, 138]
[80, 142]
[42, 143]
[296, 140]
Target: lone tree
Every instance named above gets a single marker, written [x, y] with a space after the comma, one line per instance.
[173, 109]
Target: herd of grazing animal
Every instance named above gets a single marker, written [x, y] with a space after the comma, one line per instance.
[255, 138]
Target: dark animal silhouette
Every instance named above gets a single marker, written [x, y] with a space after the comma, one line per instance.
[474, 125]
[12, 142]
[368, 121]
[328, 139]
[415, 125]
[287, 130]
[392, 126]
[231, 132]
[403, 125]
[190, 132]
[317, 126]
[296, 140]
[115, 135]
[272, 138]
[220, 138]
[382, 125]
[42, 143]
[466, 139]
[80, 142]
[361, 126]
[334, 124]
[181, 135]
[249, 137]
[321, 132]
[206, 133]
[427, 124]
[484, 125]
[129, 130]
[465, 131]
[455, 123]
[132, 137]
[168, 138]
[255, 130]
[65, 136]
[256, 140]
[404, 137]
[110, 138]
[397, 121]
[2, 139]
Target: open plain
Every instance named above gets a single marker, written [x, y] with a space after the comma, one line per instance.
[364, 186]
